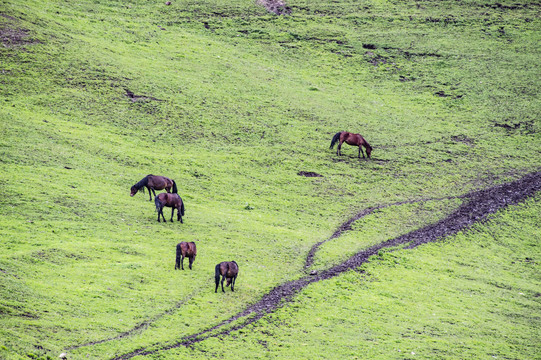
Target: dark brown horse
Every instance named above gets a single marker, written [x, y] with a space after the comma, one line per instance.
[351, 139]
[153, 182]
[170, 200]
[185, 249]
[228, 270]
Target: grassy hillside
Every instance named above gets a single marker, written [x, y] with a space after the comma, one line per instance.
[232, 102]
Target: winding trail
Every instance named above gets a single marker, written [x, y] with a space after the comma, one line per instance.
[480, 204]
[139, 327]
[346, 226]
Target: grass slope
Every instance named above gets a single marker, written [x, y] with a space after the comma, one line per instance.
[472, 296]
[232, 102]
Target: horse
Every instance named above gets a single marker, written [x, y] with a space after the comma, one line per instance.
[154, 182]
[228, 270]
[351, 139]
[185, 249]
[170, 200]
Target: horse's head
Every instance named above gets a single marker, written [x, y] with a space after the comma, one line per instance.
[133, 191]
[368, 151]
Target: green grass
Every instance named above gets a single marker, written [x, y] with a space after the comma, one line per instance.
[446, 92]
[472, 296]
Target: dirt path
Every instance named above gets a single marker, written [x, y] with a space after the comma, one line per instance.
[478, 206]
[346, 226]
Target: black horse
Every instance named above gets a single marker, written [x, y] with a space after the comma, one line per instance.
[227, 270]
[154, 182]
[170, 200]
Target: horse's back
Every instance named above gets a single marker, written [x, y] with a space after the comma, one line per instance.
[156, 182]
[351, 138]
[182, 246]
[193, 248]
[188, 248]
[169, 198]
[233, 269]
[162, 197]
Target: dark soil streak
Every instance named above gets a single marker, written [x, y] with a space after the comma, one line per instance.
[135, 98]
[347, 225]
[480, 205]
[138, 328]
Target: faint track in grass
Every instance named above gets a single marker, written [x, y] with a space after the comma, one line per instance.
[140, 327]
[480, 204]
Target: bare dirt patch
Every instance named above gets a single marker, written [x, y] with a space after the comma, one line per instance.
[309, 174]
[137, 98]
[277, 7]
[13, 37]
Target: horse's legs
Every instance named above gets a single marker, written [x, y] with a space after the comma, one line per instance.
[182, 262]
[179, 216]
[172, 212]
[338, 149]
[191, 261]
[223, 278]
[160, 211]
[233, 283]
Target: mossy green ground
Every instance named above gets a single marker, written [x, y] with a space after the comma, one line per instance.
[234, 103]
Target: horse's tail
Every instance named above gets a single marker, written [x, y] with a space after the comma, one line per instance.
[217, 274]
[174, 191]
[335, 138]
[158, 204]
[182, 207]
[179, 252]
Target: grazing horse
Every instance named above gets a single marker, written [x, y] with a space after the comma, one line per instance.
[185, 249]
[228, 270]
[153, 182]
[170, 200]
[351, 139]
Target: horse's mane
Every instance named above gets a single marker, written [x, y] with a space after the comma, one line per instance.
[142, 183]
